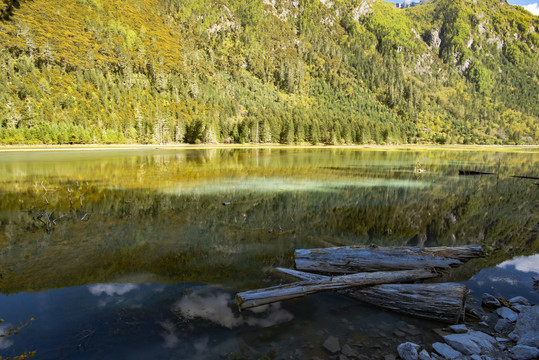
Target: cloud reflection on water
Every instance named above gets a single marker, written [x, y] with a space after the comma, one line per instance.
[5, 343]
[503, 279]
[205, 303]
[170, 334]
[111, 289]
[523, 263]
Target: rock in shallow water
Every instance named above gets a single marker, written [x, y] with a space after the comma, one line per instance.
[424, 355]
[408, 351]
[446, 351]
[523, 352]
[459, 329]
[490, 301]
[504, 326]
[508, 314]
[348, 351]
[332, 345]
[527, 328]
[519, 300]
[520, 308]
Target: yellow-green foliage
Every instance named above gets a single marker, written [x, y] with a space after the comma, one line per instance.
[158, 71]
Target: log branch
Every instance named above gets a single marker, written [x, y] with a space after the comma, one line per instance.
[441, 302]
[253, 298]
[353, 259]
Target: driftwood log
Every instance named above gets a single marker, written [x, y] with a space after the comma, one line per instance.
[441, 302]
[353, 259]
[253, 298]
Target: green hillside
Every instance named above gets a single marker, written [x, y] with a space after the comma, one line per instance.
[307, 71]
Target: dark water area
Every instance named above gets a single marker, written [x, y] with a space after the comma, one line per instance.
[139, 253]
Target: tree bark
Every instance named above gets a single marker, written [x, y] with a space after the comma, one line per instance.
[253, 298]
[353, 259]
[441, 302]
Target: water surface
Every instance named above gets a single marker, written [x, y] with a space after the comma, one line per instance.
[139, 253]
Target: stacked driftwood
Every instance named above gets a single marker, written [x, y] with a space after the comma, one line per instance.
[383, 276]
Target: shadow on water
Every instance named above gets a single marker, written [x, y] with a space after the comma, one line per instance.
[133, 254]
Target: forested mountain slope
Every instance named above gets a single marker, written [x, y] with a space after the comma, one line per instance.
[289, 71]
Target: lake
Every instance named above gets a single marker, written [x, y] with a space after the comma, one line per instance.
[138, 253]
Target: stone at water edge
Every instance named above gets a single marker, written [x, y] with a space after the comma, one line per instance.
[504, 326]
[459, 329]
[408, 351]
[520, 308]
[490, 301]
[473, 342]
[446, 351]
[527, 328]
[519, 300]
[424, 355]
[332, 345]
[476, 357]
[348, 351]
[506, 313]
[523, 352]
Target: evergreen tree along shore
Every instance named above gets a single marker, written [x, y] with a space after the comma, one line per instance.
[268, 71]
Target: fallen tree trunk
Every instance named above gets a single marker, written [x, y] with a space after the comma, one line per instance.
[353, 259]
[253, 298]
[441, 302]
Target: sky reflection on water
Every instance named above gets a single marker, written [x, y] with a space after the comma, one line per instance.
[528, 264]
[508, 279]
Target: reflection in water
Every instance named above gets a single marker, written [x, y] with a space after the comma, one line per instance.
[523, 263]
[111, 289]
[204, 303]
[508, 279]
[169, 334]
[502, 279]
[4, 341]
[264, 185]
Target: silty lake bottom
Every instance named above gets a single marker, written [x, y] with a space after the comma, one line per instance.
[139, 253]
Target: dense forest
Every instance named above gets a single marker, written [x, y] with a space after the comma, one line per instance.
[271, 71]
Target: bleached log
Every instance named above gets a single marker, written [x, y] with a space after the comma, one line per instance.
[253, 298]
[441, 302]
[353, 259]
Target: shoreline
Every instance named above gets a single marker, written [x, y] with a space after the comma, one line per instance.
[108, 147]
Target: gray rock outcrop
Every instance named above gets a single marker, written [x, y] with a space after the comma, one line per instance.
[473, 342]
[523, 352]
[446, 351]
[527, 327]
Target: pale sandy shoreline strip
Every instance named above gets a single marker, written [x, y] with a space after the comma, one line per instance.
[95, 147]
